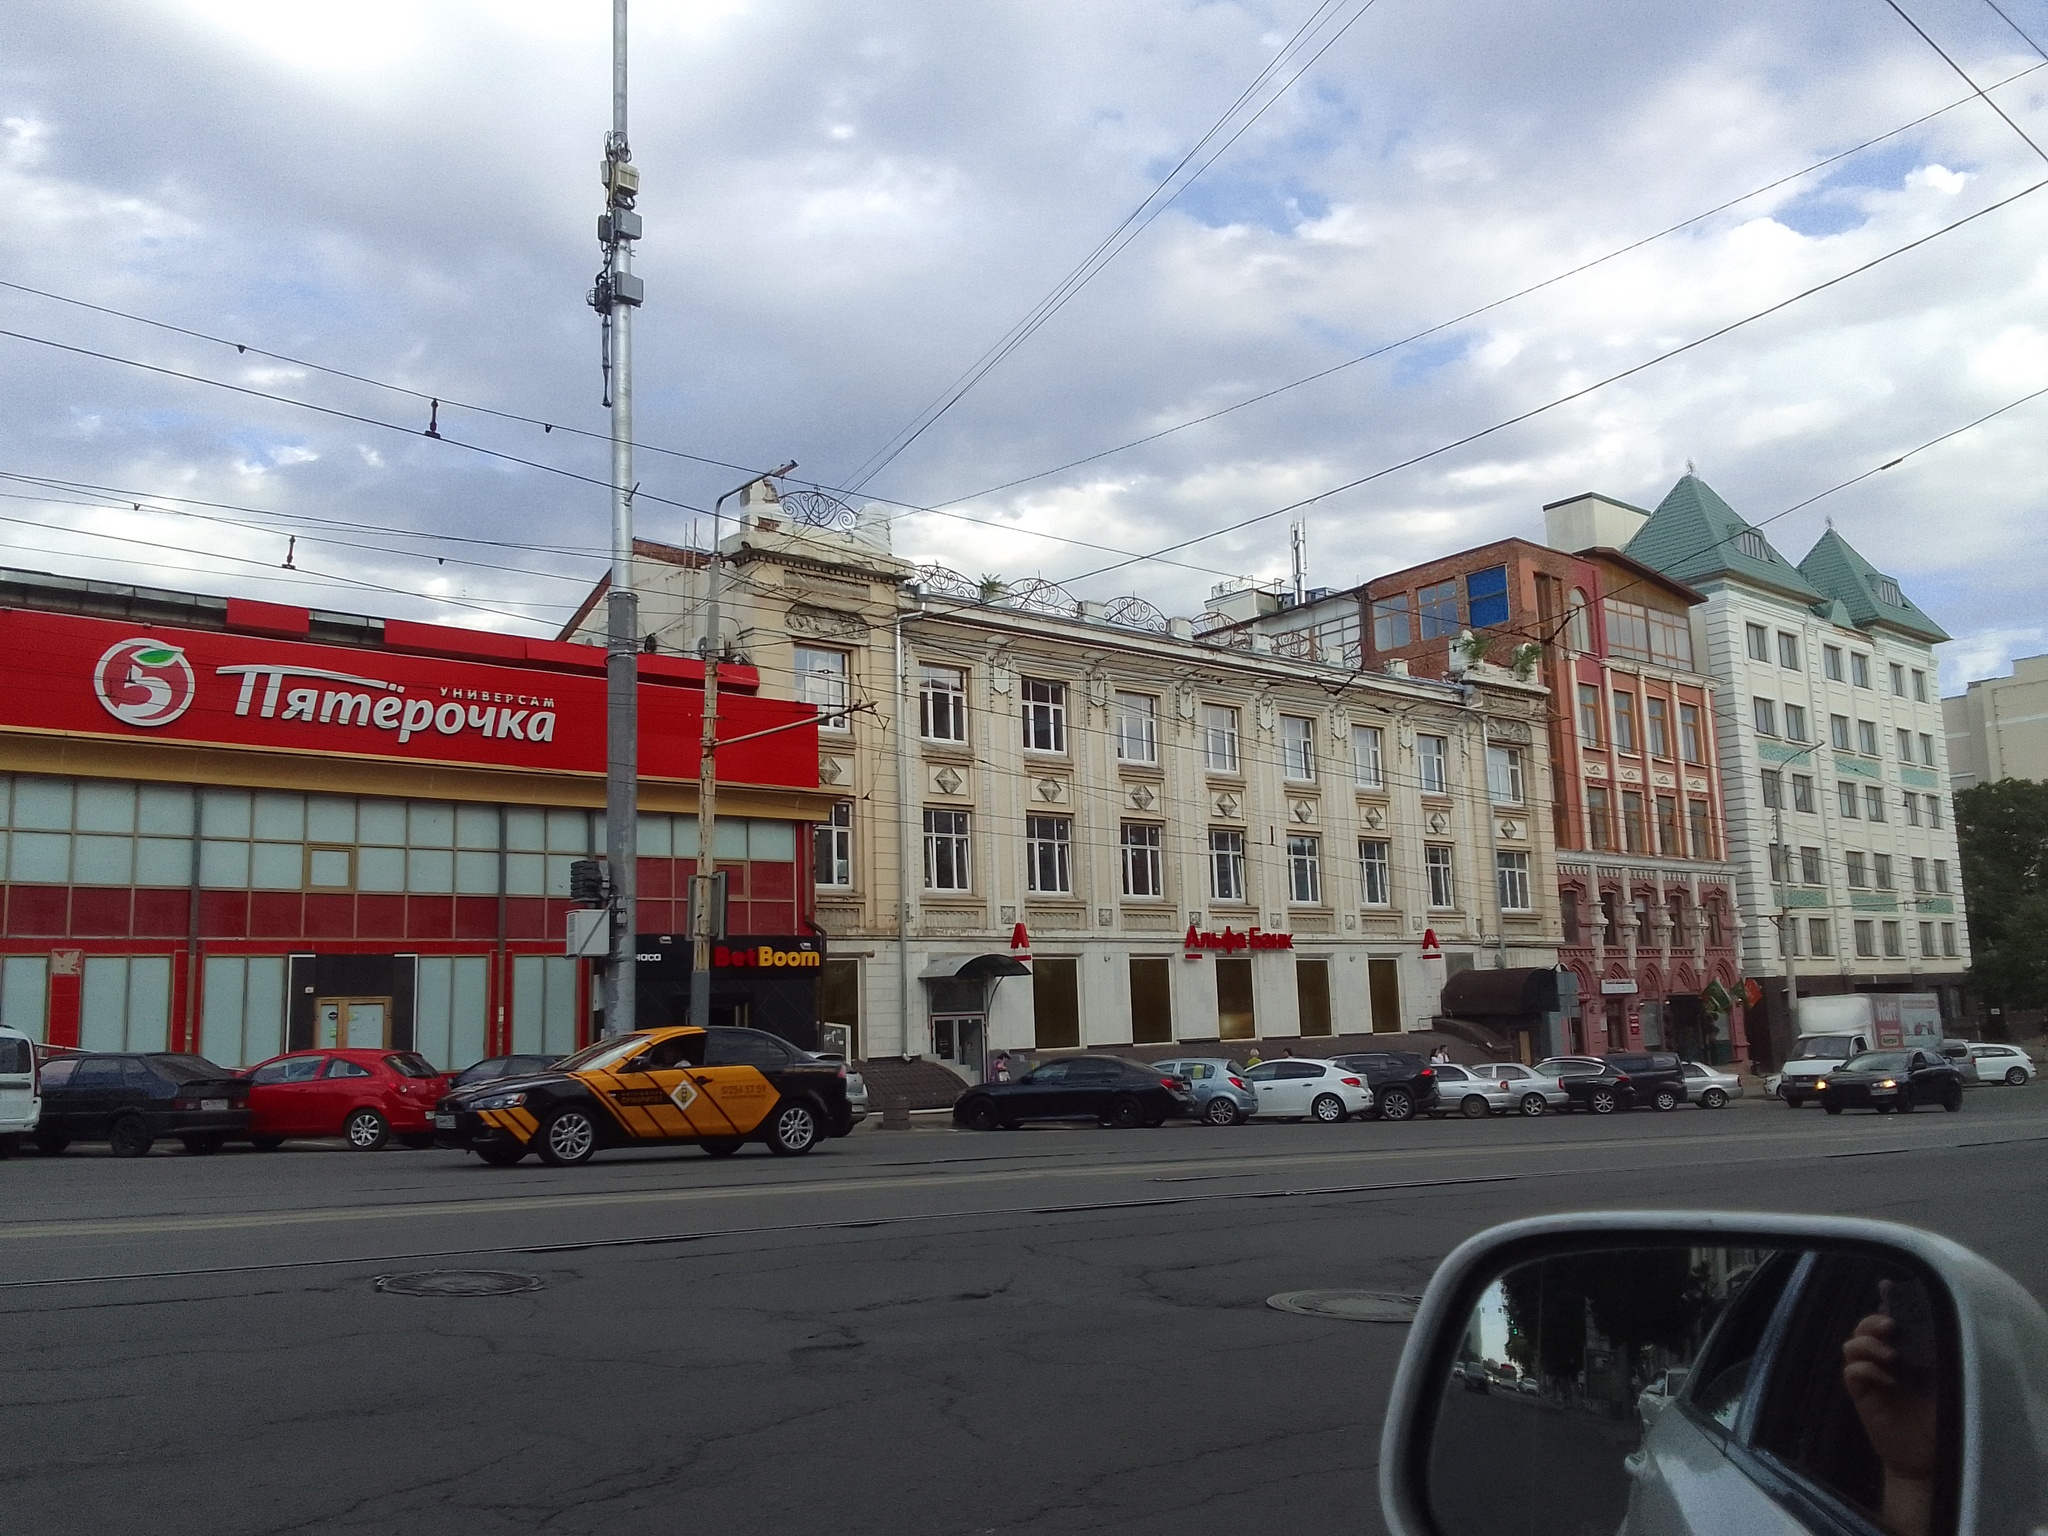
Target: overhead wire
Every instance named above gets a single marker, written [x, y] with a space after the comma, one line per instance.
[1964, 75]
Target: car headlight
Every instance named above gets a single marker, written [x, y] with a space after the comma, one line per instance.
[1889, 1082]
[1819, 1084]
[499, 1101]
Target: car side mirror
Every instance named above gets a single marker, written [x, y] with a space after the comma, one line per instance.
[1854, 1374]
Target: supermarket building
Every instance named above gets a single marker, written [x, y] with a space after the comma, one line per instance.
[238, 827]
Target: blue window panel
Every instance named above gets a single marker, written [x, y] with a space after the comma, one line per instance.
[1486, 597]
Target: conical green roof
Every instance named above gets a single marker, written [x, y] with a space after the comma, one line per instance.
[1696, 536]
[1870, 596]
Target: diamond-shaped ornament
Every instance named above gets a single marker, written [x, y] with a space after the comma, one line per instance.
[948, 780]
[684, 1094]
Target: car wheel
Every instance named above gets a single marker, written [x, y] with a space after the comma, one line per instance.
[130, 1137]
[501, 1157]
[1534, 1104]
[1603, 1101]
[1906, 1105]
[793, 1129]
[1475, 1108]
[980, 1115]
[1397, 1104]
[569, 1137]
[419, 1141]
[1833, 1109]
[366, 1131]
[2016, 1078]
[1883, 1109]
[1222, 1111]
[1713, 1098]
[1665, 1099]
[51, 1143]
[1792, 1100]
[1329, 1109]
[723, 1146]
[1125, 1115]
[9, 1145]
[266, 1143]
[1954, 1101]
[212, 1141]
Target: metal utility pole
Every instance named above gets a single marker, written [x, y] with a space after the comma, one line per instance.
[616, 295]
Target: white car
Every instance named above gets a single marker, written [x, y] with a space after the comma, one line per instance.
[1656, 1397]
[1495, 1088]
[1710, 1087]
[2002, 1064]
[1296, 1089]
[21, 1099]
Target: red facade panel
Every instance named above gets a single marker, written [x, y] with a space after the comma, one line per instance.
[162, 914]
[98, 912]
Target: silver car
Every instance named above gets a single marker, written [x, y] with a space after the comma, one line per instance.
[1495, 1088]
[1710, 1087]
[1222, 1096]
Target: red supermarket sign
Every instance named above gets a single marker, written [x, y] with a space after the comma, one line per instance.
[95, 677]
[1230, 941]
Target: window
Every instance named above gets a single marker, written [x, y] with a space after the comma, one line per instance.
[1374, 872]
[1667, 827]
[1788, 934]
[1645, 934]
[1628, 629]
[1486, 597]
[1226, 866]
[1898, 674]
[1802, 792]
[1788, 651]
[1759, 640]
[1689, 733]
[1820, 936]
[1599, 834]
[1680, 918]
[1511, 873]
[1752, 544]
[1888, 591]
[1390, 622]
[1312, 997]
[1578, 627]
[1700, 828]
[1919, 685]
[946, 866]
[1610, 920]
[1766, 711]
[1838, 732]
[329, 869]
[1671, 640]
[1589, 715]
[832, 847]
[1941, 876]
[1433, 764]
[1859, 875]
[1774, 789]
[1045, 715]
[1809, 866]
[1866, 737]
[1866, 939]
[1151, 1000]
[1859, 669]
[1795, 722]
[1305, 870]
[1297, 748]
[1831, 662]
[1631, 821]
[1368, 756]
[1142, 873]
[821, 680]
[1873, 803]
[1443, 891]
[1048, 842]
[1780, 861]
[1625, 722]
[1927, 749]
[1657, 714]
[1504, 775]
[1920, 875]
[1881, 871]
[1927, 938]
[942, 703]
[1137, 728]
[1934, 810]
[1436, 609]
[1905, 739]
[1948, 939]
[1219, 738]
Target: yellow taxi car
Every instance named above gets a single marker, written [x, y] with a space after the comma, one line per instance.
[718, 1089]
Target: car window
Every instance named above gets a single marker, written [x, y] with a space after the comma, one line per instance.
[1451, 1074]
[1264, 1072]
[58, 1073]
[1199, 1071]
[180, 1067]
[98, 1072]
[1300, 1069]
[600, 1053]
[292, 1069]
[1089, 1067]
[136, 1073]
[1720, 1378]
[1693, 1069]
[1051, 1072]
[1824, 1048]
[408, 1064]
[1509, 1071]
[341, 1066]
[745, 1048]
[16, 1056]
[482, 1072]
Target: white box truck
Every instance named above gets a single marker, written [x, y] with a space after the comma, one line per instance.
[1832, 1029]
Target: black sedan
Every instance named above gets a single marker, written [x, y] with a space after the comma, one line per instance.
[1600, 1088]
[1891, 1080]
[1106, 1089]
[130, 1099]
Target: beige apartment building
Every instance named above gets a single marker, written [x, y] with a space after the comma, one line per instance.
[1117, 832]
[1998, 729]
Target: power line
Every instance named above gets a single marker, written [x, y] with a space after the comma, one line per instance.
[2017, 28]
[1965, 76]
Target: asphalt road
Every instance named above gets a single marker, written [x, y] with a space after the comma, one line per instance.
[907, 1332]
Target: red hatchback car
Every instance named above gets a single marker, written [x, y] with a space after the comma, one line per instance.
[366, 1097]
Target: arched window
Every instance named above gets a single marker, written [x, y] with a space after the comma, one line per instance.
[1578, 628]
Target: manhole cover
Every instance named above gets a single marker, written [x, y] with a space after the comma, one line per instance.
[459, 1282]
[1352, 1306]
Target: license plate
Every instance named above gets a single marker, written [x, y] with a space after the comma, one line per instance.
[213, 1103]
[444, 1122]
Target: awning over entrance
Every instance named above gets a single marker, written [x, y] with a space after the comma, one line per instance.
[972, 968]
[1495, 994]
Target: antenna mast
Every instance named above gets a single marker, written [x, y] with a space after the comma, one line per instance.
[616, 295]
[1297, 538]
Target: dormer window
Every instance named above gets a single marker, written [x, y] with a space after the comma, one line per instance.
[1751, 543]
[1888, 592]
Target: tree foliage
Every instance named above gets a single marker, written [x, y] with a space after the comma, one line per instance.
[1633, 1298]
[2002, 832]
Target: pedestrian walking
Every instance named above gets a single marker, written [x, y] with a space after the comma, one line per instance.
[1252, 1059]
[1439, 1056]
[999, 1069]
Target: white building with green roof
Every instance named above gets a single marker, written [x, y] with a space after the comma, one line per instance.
[1829, 726]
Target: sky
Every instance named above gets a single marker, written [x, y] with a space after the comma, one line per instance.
[848, 205]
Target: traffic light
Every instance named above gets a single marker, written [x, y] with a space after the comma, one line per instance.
[586, 883]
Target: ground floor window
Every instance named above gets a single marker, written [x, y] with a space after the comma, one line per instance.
[25, 993]
[1312, 995]
[543, 1005]
[1151, 1001]
[1383, 986]
[241, 1016]
[451, 1009]
[1055, 1002]
[839, 1009]
[1235, 1018]
[124, 1004]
